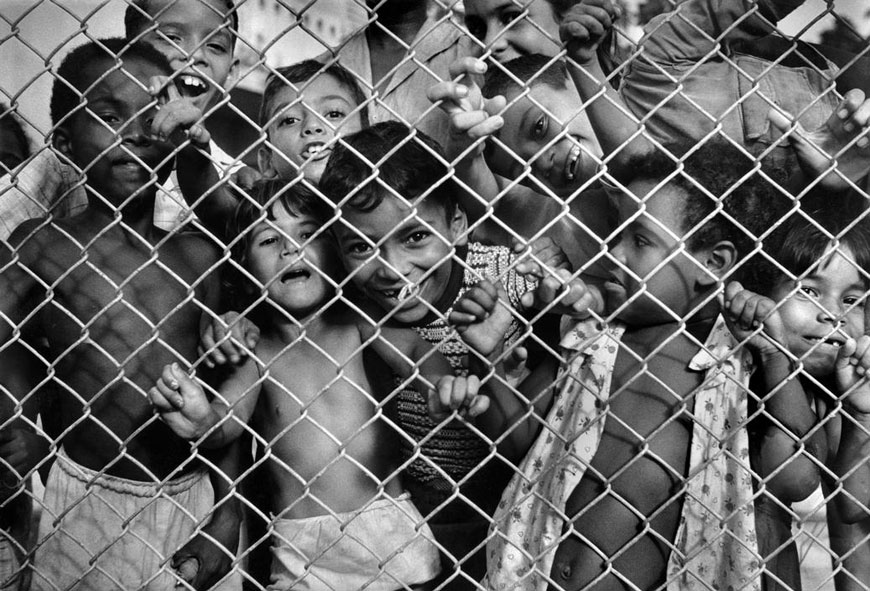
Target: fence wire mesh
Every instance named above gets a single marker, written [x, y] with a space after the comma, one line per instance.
[485, 295]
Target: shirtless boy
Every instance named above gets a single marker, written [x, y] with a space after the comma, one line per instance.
[123, 494]
[317, 394]
[625, 482]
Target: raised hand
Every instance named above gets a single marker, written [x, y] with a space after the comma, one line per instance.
[471, 116]
[456, 393]
[178, 118]
[182, 404]
[746, 311]
[844, 138]
[482, 318]
[226, 338]
[584, 26]
[851, 369]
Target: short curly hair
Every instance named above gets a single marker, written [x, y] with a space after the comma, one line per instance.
[68, 89]
[728, 195]
[389, 157]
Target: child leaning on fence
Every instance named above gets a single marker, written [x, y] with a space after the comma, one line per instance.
[124, 503]
[316, 392]
[404, 242]
[630, 450]
[803, 320]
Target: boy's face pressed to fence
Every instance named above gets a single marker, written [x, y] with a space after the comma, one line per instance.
[401, 259]
[655, 277]
[303, 125]
[822, 310]
[292, 260]
[196, 38]
[109, 138]
[547, 130]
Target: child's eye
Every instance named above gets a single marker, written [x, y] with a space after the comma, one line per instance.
[218, 47]
[540, 127]
[335, 115]
[288, 120]
[358, 248]
[269, 240]
[476, 27]
[303, 236]
[640, 240]
[418, 236]
[809, 291]
[508, 17]
[854, 301]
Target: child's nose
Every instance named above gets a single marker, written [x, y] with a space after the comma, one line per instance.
[313, 126]
[496, 40]
[137, 130]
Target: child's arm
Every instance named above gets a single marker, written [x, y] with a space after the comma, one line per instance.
[755, 321]
[851, 461]
[471, 118]
[842, 140]
[227, 338]
[178, 120]
[206, 558]
[184, 407]
[482, 317]
[582, 29]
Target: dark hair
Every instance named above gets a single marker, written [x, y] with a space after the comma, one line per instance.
[806, 237]
[524, 72]
[9, 121]
[137, 16]
[254, 207]
[305, 71]
[728, 196]
[388, 158]
[68, 89]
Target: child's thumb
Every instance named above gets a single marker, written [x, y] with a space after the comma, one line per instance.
[783, 124]
[844, 355]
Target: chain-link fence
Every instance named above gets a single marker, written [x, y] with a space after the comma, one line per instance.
[483, 295]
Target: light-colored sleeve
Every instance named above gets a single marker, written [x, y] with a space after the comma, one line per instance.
[696, 27]
[43, 185]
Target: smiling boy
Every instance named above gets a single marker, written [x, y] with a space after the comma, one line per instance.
[404, 242]
[123, 494]
[306, 108]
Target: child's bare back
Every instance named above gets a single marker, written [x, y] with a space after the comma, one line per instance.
[116, 301]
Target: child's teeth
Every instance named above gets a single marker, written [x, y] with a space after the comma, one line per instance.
[407, 292]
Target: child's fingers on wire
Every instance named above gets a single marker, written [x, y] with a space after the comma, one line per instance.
[157, 87]
[850, 103]
[450, 93]
[159, 401]
[479, 405]
[475, 124]
[465, 66]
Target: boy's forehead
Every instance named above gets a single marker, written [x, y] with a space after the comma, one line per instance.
[664, 203]
[322, 86]
[161, 8]
[134, 71]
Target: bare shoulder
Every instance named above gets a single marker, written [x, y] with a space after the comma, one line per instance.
[194, 249]
[39, 241]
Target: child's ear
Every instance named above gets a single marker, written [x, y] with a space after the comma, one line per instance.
[264, 163]
[459, 227]
[61, 139]
[719, 259]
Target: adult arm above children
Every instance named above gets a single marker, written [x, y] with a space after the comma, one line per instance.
[471, 118]
[843, 140]
[851, 461]
[582, 30]
[755, 321]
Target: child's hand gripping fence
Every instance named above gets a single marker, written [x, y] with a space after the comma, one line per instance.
[642, 267]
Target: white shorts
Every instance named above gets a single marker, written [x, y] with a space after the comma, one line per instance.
[382, 547]
[107, 533]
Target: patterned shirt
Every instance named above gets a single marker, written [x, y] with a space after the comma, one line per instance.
[454, 448]
[715, 546]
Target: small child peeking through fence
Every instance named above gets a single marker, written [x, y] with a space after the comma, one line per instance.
[317, 396]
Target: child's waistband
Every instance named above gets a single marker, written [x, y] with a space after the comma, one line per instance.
[126, 486]
[403, 501]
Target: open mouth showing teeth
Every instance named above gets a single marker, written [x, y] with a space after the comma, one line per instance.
[571, 163]
[295, 274]
[191, 86]
[824, 341]
[315, 151]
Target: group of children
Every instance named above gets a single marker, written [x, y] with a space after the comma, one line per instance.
[561, 351]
